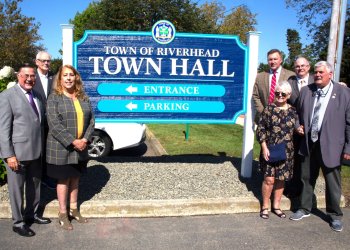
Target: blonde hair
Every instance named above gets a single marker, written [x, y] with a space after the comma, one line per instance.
[78, 83]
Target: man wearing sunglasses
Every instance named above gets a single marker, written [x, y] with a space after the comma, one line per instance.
[43, 86]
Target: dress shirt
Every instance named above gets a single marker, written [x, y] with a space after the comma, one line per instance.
[34, 98]
[44, 81]
[278, 72]
[327, 92]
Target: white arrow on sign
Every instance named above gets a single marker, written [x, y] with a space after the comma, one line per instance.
[131, 106]
[131, 89]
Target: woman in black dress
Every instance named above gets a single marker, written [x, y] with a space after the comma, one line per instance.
[276, 125]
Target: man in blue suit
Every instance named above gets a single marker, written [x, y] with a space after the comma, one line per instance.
[21, 131]
[324, 114]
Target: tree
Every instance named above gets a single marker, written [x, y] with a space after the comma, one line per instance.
[294, 46]
[140, 15]
[18, 35]
[315, 15]
[213, 13]
[239, 22]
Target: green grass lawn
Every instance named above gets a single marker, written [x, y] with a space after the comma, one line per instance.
[214, 139]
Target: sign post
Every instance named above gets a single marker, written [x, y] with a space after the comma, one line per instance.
[248, 134]
[167, 77]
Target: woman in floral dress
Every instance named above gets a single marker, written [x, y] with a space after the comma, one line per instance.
[276, 125]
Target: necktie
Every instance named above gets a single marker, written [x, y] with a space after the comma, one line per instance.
[314, 122]
[302, 83]
[32, 103]
[272, 88]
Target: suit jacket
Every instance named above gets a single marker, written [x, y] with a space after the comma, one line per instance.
[261, 90]
[20, 129]
[334, 135]
[293, 81]
[38, 87]
[62, 120]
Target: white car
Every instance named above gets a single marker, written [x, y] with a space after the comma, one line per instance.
[113, 136]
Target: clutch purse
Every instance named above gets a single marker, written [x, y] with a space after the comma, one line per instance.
[277, 152]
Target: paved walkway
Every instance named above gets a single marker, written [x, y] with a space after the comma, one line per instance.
[211, 232]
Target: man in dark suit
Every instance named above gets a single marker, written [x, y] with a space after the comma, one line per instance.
[43, 85]
[263, 91]
[21, 130]
[324, 114]
[301, 79]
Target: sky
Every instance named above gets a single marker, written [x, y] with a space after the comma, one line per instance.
[273, 21]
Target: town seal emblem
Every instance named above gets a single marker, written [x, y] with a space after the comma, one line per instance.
[163, 32]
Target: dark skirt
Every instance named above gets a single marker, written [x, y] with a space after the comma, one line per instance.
[62, 172]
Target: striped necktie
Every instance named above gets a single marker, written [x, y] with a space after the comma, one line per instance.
[316, 116]
[273, 87]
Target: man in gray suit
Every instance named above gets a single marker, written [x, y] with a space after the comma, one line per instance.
[324, 114]
[21, 113]
[43, 86]
[263, 84]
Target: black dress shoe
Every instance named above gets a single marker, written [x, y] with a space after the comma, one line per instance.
[24, 231]
[38, 220]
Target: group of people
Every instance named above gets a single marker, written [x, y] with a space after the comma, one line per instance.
[309, 115]
[46, 123]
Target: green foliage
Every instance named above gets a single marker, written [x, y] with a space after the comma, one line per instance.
[140, 15]
[239, 22]
[294, 46]
[55, 65]
[18, 35]
[2, 172]
[315, 16]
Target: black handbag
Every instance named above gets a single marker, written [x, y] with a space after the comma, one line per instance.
[277, 152]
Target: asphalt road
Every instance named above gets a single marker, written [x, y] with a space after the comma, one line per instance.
[235, 231]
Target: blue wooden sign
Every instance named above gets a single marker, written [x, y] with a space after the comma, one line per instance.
[163, 76]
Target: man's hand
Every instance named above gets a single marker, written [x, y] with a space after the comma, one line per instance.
[13, 163]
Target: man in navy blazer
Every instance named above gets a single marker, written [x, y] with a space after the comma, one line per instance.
[21, 131]
[328, 145]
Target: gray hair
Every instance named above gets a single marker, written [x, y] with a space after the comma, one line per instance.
[285, 86]
[40, 53]
[328, 66]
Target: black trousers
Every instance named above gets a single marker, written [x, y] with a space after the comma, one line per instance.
[310, 168]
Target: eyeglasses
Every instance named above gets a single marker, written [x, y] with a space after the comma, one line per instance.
[301, 66]
[280, 93]
[44, 61]
[26, 76]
